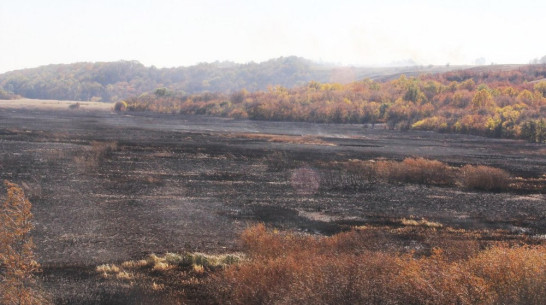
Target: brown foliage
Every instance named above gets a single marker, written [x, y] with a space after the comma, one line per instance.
[434, 172]
[17, 264]
[295, 269]
[415, 170]
[484, 178]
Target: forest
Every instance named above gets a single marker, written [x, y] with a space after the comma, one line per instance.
[113, 81]
[502, 102]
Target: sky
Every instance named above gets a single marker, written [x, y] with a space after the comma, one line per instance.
[168, 33]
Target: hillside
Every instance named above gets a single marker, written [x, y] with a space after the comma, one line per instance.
[113, 81]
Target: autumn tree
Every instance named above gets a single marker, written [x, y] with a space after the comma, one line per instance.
[17, 264]
[483, 100]
[541, 87]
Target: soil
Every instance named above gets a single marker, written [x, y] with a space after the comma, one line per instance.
[110, 187]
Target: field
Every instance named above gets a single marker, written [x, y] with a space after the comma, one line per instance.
[107, 188]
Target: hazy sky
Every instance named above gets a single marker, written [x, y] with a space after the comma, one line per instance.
[180, 33]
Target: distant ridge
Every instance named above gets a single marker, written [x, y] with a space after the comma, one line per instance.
[113, 81]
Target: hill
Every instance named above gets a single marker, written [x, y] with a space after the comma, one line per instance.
[113, 81]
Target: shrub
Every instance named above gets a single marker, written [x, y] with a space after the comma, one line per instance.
[17, 264]
[484, 178]
[289, 268]
[415, 170]
[120, 106]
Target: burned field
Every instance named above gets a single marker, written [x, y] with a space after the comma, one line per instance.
[108, 188]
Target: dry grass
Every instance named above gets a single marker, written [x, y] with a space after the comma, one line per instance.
[124, 275]
[196, 262]
[108, 270]
[289, 268]
[174, 277]
[54, 104]
[291, 139]
[421, 222]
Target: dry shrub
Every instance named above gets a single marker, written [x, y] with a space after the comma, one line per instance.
[18, 266]
[433, 172]
[287, 268]
[415, 170]
[484, 178]
[410, 170]
[513, 275]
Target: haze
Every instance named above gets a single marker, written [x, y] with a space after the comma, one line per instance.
[180, 33]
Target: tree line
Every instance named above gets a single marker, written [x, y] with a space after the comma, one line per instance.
[506, 103]
[114, 81]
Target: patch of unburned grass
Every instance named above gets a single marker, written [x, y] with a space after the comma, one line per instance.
[290, 139]
[420, 222]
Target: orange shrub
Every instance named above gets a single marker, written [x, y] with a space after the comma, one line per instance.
[415, 170]
[289, 268]
[484, 178]
[17, 262]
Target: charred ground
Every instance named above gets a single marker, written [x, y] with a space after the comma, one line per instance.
[109, 188]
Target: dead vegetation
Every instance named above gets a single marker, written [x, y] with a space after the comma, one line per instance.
[428, 172]
[176, 276]
[18, 266]
[91, 158]
[288, 268]
[167, 191]
[484, 178]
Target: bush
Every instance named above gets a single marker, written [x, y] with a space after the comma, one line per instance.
[484, 178]
[420, 171]
[415, 170]
[286, 268]
[17, 264]
[120, 106]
